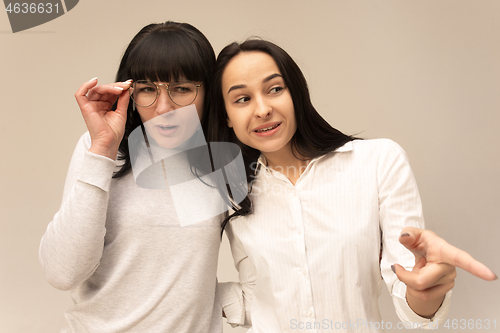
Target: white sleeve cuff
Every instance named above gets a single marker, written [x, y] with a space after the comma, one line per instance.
[230, 295]
[406, 314]
[97, 170]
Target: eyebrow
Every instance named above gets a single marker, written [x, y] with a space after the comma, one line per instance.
[267, 79]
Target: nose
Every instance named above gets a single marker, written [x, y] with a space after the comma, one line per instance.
[163, 102]
[262, 108]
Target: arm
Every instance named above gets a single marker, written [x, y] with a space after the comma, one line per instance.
[400, 206]
[236, 297]
[72, 246]
[427, 285]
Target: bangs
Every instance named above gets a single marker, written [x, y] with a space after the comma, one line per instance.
[165, 56]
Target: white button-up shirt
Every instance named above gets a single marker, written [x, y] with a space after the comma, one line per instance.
[309, 257]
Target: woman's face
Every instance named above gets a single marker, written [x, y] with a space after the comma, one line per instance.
[169, 124]
[258, 104]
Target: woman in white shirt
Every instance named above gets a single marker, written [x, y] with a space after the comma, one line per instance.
[328, 216]
[117, 241]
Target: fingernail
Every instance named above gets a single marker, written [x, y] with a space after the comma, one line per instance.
[128, 81]
[405, 234]
[93, 79]
[393, 269]
[119, 88]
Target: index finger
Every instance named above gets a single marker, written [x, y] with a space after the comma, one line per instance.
[459, 258]
[81, 93]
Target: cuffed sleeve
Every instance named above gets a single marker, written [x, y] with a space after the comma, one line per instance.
[406, 314]
[236, 298]
[97, 170]
[72, 245]
[231, 297]
[400, 206]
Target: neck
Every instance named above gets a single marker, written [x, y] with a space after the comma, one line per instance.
[289, 163]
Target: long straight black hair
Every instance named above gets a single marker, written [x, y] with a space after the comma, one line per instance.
[164, 52]
[314, 137]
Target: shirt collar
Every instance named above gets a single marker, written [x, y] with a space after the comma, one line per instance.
[262, 161]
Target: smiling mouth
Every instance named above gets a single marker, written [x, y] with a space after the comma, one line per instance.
[267, 129]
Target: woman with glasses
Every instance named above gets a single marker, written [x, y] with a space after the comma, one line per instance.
[328, 217]
[116, 243]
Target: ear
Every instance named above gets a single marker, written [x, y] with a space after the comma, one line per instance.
[229, 123]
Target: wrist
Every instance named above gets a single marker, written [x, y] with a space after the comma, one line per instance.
[106, 151]
[426, 309]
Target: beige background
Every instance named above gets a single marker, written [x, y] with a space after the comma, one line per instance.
[425, 73]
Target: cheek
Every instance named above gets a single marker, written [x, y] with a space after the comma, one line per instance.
[144, 114]
[189, 121]
[232, 120]
[291, 113]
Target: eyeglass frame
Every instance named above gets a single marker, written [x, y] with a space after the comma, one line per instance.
[167, 86]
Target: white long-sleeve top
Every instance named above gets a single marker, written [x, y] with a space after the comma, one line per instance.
[312, 257]
[130, 265]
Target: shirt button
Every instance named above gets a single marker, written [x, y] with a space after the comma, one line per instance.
[299, 231]
[309, 314]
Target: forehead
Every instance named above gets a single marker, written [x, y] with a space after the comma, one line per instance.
[249, 67]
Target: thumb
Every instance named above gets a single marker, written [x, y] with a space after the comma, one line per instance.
[400, 271]
[122, 104]
[404, 275]
[407, 276]
[410, 238]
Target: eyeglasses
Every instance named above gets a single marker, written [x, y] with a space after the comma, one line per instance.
[144, 92]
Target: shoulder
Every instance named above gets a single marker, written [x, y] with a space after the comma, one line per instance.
[366, 153]
[385, 155]
[370, 147]
[380, 149]
[376, 145]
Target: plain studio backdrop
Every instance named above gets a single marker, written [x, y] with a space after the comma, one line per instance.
[425, 73]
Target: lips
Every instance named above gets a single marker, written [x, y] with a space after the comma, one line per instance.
[166, 130]
[267, 129]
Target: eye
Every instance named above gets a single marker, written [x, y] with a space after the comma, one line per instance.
[182, 89]
[147, 90]
[144, 87]
[275, 90]
[242, 100]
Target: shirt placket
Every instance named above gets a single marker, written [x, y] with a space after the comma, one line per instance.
[307, 312]
[307, 306]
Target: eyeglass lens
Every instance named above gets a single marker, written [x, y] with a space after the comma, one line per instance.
[182, 93]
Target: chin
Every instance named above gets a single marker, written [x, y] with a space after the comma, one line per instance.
[168, 144]
[269, 148]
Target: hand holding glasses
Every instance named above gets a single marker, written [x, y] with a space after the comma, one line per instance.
[106, 128]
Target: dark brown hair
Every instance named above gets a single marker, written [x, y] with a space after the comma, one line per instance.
[314, 136]
[164, 52]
